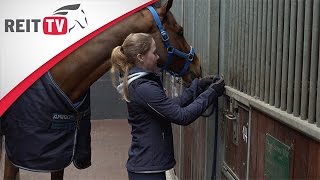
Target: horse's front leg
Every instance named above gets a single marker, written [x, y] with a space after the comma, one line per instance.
[57, 175]
[10, 171]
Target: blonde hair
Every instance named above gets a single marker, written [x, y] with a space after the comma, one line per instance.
[125, 56]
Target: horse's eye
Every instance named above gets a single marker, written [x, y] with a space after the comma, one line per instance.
[180, 33]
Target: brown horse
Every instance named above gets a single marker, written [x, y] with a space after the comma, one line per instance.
[79, 70]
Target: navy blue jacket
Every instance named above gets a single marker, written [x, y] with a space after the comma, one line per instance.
[151, 113]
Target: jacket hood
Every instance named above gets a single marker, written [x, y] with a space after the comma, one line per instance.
[134, 73]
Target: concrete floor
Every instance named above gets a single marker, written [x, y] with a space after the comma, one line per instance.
[110, 142]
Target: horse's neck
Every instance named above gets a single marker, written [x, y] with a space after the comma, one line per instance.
[79, 70]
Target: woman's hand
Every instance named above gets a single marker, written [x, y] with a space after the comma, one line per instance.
[218, 86]
[205, 82]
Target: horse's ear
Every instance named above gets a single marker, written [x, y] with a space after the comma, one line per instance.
[165, 8]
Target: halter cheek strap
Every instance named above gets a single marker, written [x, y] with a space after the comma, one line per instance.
[171, 50]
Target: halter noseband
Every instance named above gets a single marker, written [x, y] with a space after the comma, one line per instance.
[171, 50]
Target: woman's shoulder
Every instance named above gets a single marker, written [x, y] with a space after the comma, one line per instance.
[148, 81]
[146, 86]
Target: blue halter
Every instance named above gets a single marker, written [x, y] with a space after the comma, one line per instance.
[171, 50]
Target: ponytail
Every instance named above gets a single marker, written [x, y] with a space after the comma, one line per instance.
[120, 66]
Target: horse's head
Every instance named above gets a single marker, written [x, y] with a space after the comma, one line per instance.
[184, 61]
[76, 16]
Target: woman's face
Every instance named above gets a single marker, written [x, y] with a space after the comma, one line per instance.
[149, 60]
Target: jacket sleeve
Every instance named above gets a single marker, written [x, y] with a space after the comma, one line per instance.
[156, 101]
[188, 94]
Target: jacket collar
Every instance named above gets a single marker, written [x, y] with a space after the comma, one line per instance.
[135, 69]
[134, 73]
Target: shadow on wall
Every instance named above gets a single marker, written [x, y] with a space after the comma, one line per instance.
[106, 103]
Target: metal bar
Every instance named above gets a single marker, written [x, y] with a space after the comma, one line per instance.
[223, 48]
[200, 42]
[314, 62]
[285, 55]
[237, 58]
[187, 22]
[228, 173]
[254, 47]
[246, 85]
[250, 48]
[273, 50]
[233, 46]
[239, 45]
[298, 65]
[232, 50]
[227, 37]
[259, 38]
[193, 10]
[318, 95]
[306, 60]
[279, 53]
[268, 52]
[292, 49]
[242, 44]
[263, 48]
[249, 144]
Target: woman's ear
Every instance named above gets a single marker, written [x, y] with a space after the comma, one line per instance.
[140, 57]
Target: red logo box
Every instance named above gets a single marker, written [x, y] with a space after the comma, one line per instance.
[55, 25]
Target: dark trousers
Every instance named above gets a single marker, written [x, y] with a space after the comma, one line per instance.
[147, 176]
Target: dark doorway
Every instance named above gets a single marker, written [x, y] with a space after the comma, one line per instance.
[106, 103]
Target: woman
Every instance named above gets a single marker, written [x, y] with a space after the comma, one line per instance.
[150, 111]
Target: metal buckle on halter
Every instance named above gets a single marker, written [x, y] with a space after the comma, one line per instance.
[190, 57]
[170, 50]
[191, 54]
[164, 36]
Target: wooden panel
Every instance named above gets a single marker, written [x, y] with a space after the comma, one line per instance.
[230, 149]
[286, 136]
[300, 165]
[264, 126]
[236, 155]
[314, 161]
[253, 146]
[305, 162]
[243, 145]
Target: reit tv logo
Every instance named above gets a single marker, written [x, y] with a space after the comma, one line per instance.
[63, 21]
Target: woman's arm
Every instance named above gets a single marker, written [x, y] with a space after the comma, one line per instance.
[152, 96]
[188, 94]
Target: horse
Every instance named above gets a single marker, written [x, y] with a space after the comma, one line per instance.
[79, 70]
[75, 14]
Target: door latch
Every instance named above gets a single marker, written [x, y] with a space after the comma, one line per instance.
[233, 116]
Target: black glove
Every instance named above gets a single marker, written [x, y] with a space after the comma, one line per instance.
[218, 86]
[205, 82]
[216, 78]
